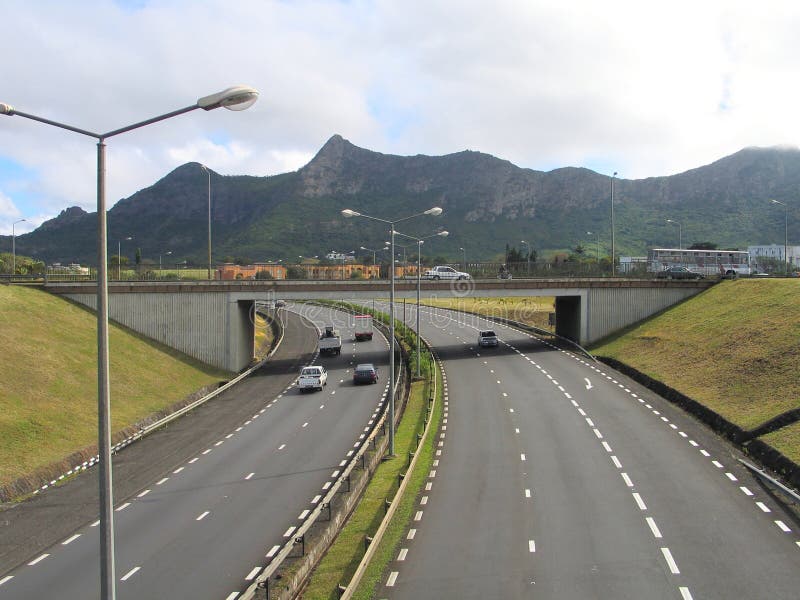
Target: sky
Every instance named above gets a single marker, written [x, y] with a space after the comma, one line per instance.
[639, 87]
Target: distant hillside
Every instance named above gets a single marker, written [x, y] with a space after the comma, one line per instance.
[488, 202]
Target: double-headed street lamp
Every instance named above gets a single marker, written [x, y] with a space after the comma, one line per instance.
[529, 256]
[598, 247]
[159, 258]
[435, 211]
[680, 234]
[119, 257]
[785, 234]
[14, 247]
[420, 241]
[234, 98]
[205, 168]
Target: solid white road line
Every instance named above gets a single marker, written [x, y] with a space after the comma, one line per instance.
[129, 574]
[673, 566]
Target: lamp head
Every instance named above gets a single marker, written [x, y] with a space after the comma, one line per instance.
[239, 97]
[443, 233]
[435, 211]
[350, 213]
[6, 109]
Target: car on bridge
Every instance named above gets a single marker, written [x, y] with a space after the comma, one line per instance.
[444, 272]
[678, 273]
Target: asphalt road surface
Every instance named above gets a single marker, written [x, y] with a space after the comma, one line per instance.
[204, 523]
[556, 477]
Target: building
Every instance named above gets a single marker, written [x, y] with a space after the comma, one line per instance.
[342, 271]
[775, 251]
[229, 271]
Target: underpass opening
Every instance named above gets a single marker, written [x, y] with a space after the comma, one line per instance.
[568, 317]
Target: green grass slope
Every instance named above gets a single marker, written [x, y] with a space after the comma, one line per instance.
[48, 379]
[734, 348]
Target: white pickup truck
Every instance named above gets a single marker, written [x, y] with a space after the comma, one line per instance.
[444, 272]
[330, 342]
[314, 377]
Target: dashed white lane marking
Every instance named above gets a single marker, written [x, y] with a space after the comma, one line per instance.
[616, 462]
[746, 491]
[704, 453]
[627, 480]
[143, 494]
[303, 514]
[178, 470]
[639, 502]
[653, 527]
[316, 499]
[272, 551]
[6, 578]
[250, 476]
[203, 516]
[95, 524]
[129, 574]
[763, 507]
[164, 480]
[70, 540]
[36, 561]
[123, 507]
[194, 460]
[731, 476]
[717, 464]
[411, 534]
[392, 579]
[403, 554]
[206, 451]
[251, 575]
[305, 424]
[685, 593]
[232, 596]
[607, 447]
[418, 516]
[229, 436]
[282, 446]
[527, 493]
[783, 526]
[673, 566]
[531, 546]
[522, 457]
[326, 485]
[289, 531]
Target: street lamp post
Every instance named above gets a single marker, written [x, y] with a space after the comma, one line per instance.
[159, 259]
[529, 256]
[234, 98]
[119, 257]
[420, 241]
[14, 248]
[209, 218]
[598, 247]
[785, 234]
[464, 253]
[435, 211]
[613, 239]
[680, 234]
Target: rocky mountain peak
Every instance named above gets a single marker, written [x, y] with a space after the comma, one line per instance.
[67, 217]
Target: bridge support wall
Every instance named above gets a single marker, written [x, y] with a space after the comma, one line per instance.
[215, 328]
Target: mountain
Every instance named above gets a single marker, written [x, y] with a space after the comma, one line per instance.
[487, 202]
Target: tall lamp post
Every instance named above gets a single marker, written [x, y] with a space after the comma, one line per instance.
[613, 239]
[435, 211]
[464, 254]
[680, 234]
[234, 98]
[785, 234]
[119, 257]
[14, 248]
[529, 256]
[209, 218]
[420, 241]
[159, 258]
[598, 247]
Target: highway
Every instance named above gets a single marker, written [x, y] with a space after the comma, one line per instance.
[556, 478]
[203, 527]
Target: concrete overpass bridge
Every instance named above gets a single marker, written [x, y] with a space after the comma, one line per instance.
[212, 320]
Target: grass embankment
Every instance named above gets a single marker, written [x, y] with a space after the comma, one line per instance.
[531, 311]
[48, 379]
[264, 337]
[733, 348]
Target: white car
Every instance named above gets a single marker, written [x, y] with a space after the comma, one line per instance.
[314, 377]
[445, 272]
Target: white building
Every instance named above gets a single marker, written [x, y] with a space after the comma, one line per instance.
[775, 251]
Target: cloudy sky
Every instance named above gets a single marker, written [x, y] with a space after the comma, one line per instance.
[638, 87]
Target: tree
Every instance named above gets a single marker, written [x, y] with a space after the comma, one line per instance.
[264, 275]
[579, 250]
[295, 273]
[138, 256]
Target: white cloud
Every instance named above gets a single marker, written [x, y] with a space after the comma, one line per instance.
[646, 89]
